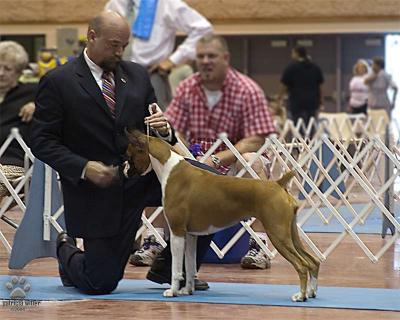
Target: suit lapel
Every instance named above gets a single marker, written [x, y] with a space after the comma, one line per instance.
[121, 84]
[88, 83]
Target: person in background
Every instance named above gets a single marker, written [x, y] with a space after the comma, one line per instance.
[16, 109]
[154, 25]
[47, 61]
[359, 91]
[220, 99]
[379, 81]
[278, 112]
[302, 80]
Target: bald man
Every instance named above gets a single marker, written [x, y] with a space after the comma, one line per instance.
[78, 129]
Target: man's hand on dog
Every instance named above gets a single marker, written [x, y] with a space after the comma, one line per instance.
[101, 175]
[157, 120]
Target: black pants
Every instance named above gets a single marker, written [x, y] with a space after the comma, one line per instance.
[360, 109]
[306, 115]
[101, 266]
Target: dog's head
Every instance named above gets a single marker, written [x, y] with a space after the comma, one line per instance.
[137, 153]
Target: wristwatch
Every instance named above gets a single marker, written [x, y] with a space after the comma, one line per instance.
[216, 161]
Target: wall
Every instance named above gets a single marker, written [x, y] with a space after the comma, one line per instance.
[220, 11]
[250, 26]
[229, 16]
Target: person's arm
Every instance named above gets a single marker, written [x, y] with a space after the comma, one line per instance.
[285, 84]
[186, 19]
[47, 140]
[158, 122]
[257, 124]
[395, 90]
[321, 98]
[282, 93]
[321, 81]
[26, 112]
[370, 78]
[226, 157]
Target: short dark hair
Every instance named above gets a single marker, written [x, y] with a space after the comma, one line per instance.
[211, 37]
[301, 52]
[96, 24]
[379, 61]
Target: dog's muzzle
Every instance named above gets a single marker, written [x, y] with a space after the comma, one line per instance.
[130, 170]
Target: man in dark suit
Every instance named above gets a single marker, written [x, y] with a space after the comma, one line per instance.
[82, 110]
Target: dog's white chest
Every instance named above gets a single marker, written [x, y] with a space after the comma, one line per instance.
[163, 171]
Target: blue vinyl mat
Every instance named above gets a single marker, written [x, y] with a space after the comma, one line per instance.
[373, 223]
[50, 289]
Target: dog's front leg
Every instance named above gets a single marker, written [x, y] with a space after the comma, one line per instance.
[177, 250]
[190, 263]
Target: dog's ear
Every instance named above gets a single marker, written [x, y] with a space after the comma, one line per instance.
[135, 137]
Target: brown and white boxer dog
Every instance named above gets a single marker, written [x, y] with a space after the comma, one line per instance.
[197, 202]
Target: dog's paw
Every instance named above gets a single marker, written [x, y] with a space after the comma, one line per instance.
[185, 291]
[18, 287]
[311, 293]
[299, 297]
[169, 293]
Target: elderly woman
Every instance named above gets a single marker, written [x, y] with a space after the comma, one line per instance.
[379, 82]
[16, 108]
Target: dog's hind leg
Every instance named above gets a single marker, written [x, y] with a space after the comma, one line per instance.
[190, 264]
[177, 250]
[285, 246]
[312, 262]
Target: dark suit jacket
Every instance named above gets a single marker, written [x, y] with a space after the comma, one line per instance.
[72, 125]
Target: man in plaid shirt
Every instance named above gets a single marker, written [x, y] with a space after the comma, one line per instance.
[220, 99]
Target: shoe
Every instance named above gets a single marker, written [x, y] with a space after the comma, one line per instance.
[160, 273]
[62, 239]
[199, 285]
[146, 255]
[255, 258]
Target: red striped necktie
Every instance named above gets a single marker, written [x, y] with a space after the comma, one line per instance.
[108, 90]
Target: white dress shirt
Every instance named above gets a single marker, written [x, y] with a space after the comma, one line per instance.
[171, 16]
[96, 71]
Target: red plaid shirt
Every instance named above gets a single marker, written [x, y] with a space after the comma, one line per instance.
[241, 112]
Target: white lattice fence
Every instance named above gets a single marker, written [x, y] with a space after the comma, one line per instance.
[22, 185]
[359, 170]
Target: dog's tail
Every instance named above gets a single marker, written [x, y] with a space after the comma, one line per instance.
[286, 178]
